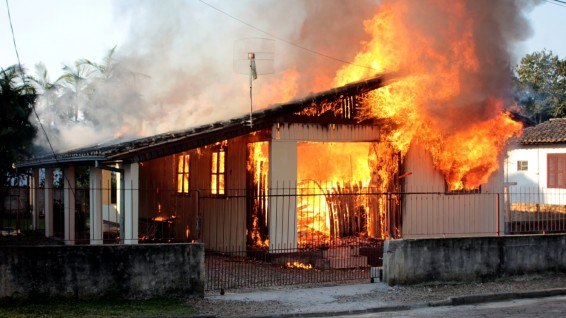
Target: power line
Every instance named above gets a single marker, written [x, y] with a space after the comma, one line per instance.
[561, 3]
[282, 39]
[24, 79]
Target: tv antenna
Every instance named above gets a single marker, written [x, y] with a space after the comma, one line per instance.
[253, 57]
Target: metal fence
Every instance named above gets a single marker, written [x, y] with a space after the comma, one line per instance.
[296, 235]
[535, 211]
[15, 210]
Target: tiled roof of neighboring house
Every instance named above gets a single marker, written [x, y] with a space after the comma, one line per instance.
[552, 131]
[173, 142]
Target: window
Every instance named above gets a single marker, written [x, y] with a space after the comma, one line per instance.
[183, 173]
[463, 191]
[522, 165]
[556, 170]
[218, 175]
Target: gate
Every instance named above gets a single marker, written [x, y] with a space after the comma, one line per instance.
[292, 236]
[331, 264]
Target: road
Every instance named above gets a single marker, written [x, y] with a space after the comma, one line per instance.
[527, 308]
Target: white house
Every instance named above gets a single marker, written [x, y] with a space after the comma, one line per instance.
[535, 168]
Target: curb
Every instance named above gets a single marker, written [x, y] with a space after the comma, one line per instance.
[344, 312]
[476, 299]
[452, 301]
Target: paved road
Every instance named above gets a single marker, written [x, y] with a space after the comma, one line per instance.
[527, 308]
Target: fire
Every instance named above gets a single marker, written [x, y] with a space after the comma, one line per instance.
[298, 265]
[447, 99]
[124, 131]
[258, 171]
[280, 90]
[328, 173]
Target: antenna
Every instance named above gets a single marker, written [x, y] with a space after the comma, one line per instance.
[253, 57]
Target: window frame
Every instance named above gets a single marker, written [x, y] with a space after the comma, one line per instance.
[556, 167]
[522, 165]
[447, 191]
[218, 171]
[183, 174]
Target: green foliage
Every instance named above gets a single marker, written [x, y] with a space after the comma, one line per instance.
[105, 307]
[541, 84]
[16, 130]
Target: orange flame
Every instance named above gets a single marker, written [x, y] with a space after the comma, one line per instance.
[441, 101]
[278, 90]
[258, 166]
[322, 181]
[298, 265]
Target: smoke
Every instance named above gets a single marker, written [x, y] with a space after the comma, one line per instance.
[175, 70]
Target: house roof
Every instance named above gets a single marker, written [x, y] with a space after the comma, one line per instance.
[549, 132]
[160, 145]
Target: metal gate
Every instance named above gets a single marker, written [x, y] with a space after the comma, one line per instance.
[285, 267]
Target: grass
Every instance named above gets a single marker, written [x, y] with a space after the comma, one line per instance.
[106, 307]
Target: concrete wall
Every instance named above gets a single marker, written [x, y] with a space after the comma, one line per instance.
[471, 259]
[133, 271]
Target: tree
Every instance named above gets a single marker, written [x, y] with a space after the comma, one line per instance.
[48, 94]
[16, 130]
[75, 82]
[541, 86]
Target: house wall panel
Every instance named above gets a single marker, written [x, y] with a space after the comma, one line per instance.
[330, 132]
[222, 218]
[429, 211]
[282, 201]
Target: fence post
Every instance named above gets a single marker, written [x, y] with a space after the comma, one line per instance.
[48, 214]
[388, 212]
[34, 196]
[69, 204]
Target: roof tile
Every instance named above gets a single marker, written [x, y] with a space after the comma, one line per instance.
[552, 131]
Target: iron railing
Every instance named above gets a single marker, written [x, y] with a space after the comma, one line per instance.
[314, 216]
[295, 235]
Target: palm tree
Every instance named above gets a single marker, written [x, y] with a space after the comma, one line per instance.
[49, 92]
[75, 82]
[16, 131]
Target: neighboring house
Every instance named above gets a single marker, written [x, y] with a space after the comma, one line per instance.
[303, 174]
[535, 178]
[535, 168]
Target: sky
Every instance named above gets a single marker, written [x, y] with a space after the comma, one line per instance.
[58, 32]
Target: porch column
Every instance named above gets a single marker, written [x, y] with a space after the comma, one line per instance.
[48, 202]
[34, 198]
[131, 206]
[119, 198]
[69, 204]
[283, 189]
[95, 190]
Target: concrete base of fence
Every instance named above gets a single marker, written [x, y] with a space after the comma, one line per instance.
[132, 271]
[471, 259]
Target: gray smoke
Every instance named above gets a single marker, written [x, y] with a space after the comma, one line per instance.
[175, 71]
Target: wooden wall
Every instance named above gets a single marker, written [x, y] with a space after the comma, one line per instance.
[222, 218]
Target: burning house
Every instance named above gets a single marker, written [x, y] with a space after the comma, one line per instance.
[310, 173]
[414, 154]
